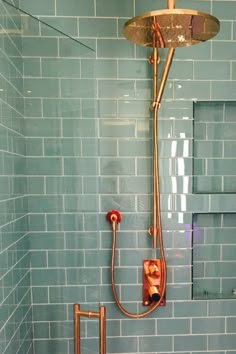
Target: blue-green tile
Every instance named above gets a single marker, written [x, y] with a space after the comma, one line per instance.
[58, 67]
[219, 167]
[34, 146]
[64, 185]
[38, 47]
[45, 204]
[173, 326]
[42, 8]
[52, 345]
[118, 48]
[44, 166]
[81, 203]
[67, 25]
[207, 111]
[62, 146]
[222, 341]
[128, 69]
[72, 8]
[131, 328]
[81, 240]
[121, 344]
[113, 9]
[223, 90]
[65, 259]
[33, 107]
[206, 70]
[191, 342]
[192, 90]
[101, 68]
[208, 184]
[38, 259]
[225, 10]
[50, 312]
[115, 89]
[41, 330]
[46, 240]
[117, 166]
[79, 128]
[78, 88]
[67, 294]
[64, 222]
[230, 108]
[190, 309]
[86, 48]
[46, 277]
[66, 108]
[160, 343]
[83, 276]
[41, 87]
[115, 129]
[32, 67]
[80, 166]
[97, 27]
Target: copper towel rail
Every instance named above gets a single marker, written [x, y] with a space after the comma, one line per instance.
[102, 327]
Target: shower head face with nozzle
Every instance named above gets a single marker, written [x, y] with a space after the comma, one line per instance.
[176, 28]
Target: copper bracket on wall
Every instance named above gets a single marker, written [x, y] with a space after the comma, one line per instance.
[102, 327]
[152, 282]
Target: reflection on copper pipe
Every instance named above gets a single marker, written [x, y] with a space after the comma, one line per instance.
[102, 327]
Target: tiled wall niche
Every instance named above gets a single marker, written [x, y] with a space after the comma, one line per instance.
[214, 146]
[214, 256]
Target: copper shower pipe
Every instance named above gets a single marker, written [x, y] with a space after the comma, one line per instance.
[156, 228]
[102, 327]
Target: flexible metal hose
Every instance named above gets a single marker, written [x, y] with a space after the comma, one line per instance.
[121, 308]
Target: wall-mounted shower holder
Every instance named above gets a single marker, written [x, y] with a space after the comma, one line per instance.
[152, 282]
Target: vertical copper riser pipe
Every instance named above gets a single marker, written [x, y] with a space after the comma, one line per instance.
[102, 327]
[102, 330]
[76, 329]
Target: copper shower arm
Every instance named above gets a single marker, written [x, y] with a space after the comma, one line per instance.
[102, 327]
[170, 4]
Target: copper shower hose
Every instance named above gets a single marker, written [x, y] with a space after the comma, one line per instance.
[156, 229]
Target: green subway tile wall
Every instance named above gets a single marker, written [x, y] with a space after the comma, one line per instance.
[87, 140]
[15, 291]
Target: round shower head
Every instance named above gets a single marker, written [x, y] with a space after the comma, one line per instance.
[175, 27]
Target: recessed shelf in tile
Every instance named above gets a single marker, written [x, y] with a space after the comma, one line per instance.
[214, 256]
[214, 157]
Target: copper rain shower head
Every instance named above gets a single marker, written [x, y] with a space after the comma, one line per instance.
[177, 27]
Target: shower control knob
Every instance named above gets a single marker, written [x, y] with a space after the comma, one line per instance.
[113, 215]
